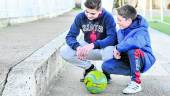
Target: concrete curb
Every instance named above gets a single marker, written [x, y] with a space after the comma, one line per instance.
[32, 76]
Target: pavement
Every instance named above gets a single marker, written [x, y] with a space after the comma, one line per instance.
[20, 41]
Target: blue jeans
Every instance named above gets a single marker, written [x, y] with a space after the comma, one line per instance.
[131, 63]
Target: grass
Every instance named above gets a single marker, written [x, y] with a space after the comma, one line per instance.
[76, 9]
[162, 27]
[165, 18]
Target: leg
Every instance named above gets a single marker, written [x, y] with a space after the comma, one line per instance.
[136, 58]
[114, 66]
[107, 53]
[69, 55]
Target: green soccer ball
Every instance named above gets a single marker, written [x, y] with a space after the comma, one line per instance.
[95, 82]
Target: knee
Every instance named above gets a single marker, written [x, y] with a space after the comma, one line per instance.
[64, 53]
[135, 52]
[107, 53]
[107, 66]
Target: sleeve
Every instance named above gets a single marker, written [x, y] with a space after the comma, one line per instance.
[135, 41]
[73, 33]
[111, 38]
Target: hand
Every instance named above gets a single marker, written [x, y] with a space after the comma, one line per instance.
[116, 53]
[86, 49]
[79, 53]
[82, 52]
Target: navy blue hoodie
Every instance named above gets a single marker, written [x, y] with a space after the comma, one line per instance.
[134, 37]
[100, 31]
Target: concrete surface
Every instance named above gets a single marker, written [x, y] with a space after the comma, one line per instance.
[19, 42]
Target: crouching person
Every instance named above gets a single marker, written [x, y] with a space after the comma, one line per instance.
[133, 53]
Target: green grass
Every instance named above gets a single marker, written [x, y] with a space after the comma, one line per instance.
[75, 9]
[165, 18]
[161, 26]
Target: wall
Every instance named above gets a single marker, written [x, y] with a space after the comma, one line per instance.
[19, 11]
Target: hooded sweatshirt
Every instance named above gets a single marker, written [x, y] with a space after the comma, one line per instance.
[136, 36]
[100, 31]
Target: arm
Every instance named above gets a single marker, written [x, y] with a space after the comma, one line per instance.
[111, 38]
[73, 33]
[135, 41]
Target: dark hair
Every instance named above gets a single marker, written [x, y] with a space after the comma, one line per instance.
[127, 11]
[93, 4]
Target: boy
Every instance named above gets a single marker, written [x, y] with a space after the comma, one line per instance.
[133, 53]
[99, 30]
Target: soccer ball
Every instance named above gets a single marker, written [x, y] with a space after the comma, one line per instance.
[95, 82]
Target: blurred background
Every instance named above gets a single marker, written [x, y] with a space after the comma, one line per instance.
[20, 11]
